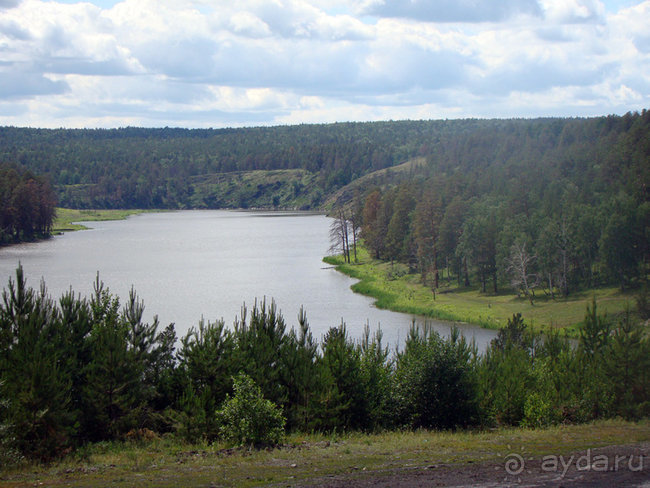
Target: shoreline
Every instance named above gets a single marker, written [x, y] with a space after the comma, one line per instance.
[394, 289]
[66, 218]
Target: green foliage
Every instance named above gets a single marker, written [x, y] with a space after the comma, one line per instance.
[538, 412]
[376, 376]
[247, 418]
[9, 454]
[39, 388]
[206, 365]
[27, 205]
[507, 372]
[342, 402]
[261, 343]
[301, 375]
[627, 366]
[534, 184]
[435, 383]
[75, 371]
[514, 334]
[79, 371]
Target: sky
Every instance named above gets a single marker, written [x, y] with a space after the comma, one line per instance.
[234, 63]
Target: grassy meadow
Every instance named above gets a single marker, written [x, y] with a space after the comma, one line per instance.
[66, 218]
[394, 289]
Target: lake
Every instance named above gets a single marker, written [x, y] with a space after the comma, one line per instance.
[190, 264]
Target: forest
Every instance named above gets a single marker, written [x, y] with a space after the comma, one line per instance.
[75, 371]
[170, 168]
[543, 208]
[528, 161]
[27, 205]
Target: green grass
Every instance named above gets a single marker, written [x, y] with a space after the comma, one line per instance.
[66, 218]
[165, 462]
[281, 189]
[394, 289]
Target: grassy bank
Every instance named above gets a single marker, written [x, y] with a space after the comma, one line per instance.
[394, 289]
[65, 218]
[307, 458]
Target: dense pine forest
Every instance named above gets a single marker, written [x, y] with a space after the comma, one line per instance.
[566, 221]
[543, 207]
[78, 370]
[528, 162]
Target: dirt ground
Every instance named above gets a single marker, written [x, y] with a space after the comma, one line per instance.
[615, 466]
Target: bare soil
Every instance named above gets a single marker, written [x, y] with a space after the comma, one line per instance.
[613, 466]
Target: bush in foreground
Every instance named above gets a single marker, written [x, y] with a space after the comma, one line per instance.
[247, 418]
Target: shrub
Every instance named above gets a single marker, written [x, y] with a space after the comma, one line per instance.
[538, 412]
[247, 418]
[435, 382]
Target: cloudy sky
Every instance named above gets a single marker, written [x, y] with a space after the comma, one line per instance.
[219, 63]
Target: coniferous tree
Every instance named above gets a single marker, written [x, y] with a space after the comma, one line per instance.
[261, 342]
[31, 367]
[301, 375]
[342, 404]
[114, 375]
[435, 385]
[206, 365]
[626, 366]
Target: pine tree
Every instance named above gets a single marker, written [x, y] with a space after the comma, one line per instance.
[32, 369]
[113, 376]
[206, 365]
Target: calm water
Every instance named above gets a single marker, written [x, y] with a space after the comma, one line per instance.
[191, 264]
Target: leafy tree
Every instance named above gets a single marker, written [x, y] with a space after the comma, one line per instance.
[593, 345]
[451, 228]
[426, 229]
[27, 205]
[507, 373]
[247, 418]
[372, 233]
[301, 375]
[376, 377]
[478, 243]
[622, 237]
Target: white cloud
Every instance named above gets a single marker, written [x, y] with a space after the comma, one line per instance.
[573, 11]
[210, 63]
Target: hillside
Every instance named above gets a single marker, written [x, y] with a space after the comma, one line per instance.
[214, 168]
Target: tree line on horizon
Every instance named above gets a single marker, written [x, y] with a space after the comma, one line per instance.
[176, 168]
[76, 370]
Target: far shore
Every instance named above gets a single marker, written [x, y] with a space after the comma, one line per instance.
[394, 289]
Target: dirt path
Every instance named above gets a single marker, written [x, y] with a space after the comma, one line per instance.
[614, 466]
